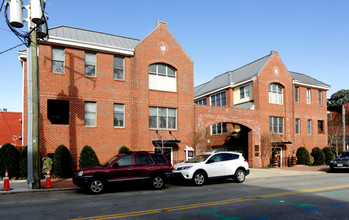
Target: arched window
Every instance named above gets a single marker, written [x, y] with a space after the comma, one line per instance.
[276, 94]
[162, 77]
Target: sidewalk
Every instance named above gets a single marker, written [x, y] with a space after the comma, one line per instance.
[21, 186]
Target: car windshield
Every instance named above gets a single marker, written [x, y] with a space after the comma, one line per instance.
[345, 154]
[108, 162]
[198, 158]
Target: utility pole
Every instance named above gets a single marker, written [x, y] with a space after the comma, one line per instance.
[37, 27]
[36, 109]
[343, 120]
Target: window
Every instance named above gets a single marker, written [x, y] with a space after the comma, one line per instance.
[125, 161]
[276, 94]
[219, 99]
[57, 60]
[298, 126]
[320, 126]
[162, 77]
[245, 92]
[201, 102]
[142, 159]
[309, 126]
[119, 115]
[90, 64]
[90, 113]
[296, 94]
[220, 128]
[320, 97]
[158, 158]
[276, 125]
[118, 68]
[162, 118]
[58, 111]
[308, 96]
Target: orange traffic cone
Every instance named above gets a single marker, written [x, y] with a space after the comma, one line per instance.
[48, 179]
[6, 182]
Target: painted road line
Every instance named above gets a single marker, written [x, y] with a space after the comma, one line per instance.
[206, 204]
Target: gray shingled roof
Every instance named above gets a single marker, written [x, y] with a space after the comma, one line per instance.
[232, 77]
[246, 73]
[301, 78]
[245, 105]
[93, 37]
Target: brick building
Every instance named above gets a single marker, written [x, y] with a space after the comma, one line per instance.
[108, 91]
[10, 127]
[261, 109]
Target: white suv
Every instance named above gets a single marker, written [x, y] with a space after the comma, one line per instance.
[219, 164]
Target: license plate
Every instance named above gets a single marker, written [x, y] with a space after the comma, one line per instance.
[339, 165]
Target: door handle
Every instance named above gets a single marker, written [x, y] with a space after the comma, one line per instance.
[129, 168]
[151, 168]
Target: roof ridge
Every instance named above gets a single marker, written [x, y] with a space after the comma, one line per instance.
[99, 32]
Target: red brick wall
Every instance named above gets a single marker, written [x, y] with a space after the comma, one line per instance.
[134, 92]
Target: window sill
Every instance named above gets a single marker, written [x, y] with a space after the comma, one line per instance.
[155, 90]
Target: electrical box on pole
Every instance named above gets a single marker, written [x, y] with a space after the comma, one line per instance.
[36, 11]
[16, 13]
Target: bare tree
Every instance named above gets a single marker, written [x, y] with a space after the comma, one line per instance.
[334, 129]
[267, 147]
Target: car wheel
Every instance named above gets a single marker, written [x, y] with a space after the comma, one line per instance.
[199, 178]
[97, 186]
[158, 182]
[239, 176]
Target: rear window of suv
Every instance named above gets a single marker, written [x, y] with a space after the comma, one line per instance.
[158, 158]
[230, 156]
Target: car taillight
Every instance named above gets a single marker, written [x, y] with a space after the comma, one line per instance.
[171, 168]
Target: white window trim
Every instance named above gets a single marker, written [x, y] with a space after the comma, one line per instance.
[123, 115]
[95, 125]
[219, 93]
[166, 75]
[299, 126]
[57, 60]
[309, 96]
[157, 117]
[275, 94]
[277, 124]
[123, 68]
[221, 124]
[94, 63]
[309, 128]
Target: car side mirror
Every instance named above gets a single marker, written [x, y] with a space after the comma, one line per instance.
[115, 165]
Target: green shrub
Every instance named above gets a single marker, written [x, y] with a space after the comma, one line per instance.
[46, 164]
[88, 157]
[328, 155]
[319, 156]
[302, 156]
[124, 150]
[23, 163]
[9, 160]
[62, 162]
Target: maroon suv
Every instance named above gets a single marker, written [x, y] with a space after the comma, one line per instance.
[134, 166]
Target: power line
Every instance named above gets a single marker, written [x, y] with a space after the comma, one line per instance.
[2, 4]
[11, 48]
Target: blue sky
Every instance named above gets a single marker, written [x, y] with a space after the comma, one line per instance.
[311, 36]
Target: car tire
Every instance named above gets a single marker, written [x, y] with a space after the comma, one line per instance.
[199, 178]
[239, 176]
[158, 182]
[97, 186]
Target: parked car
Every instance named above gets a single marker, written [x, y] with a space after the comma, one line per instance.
[135, 166]
[342, 162]
[221, 164]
